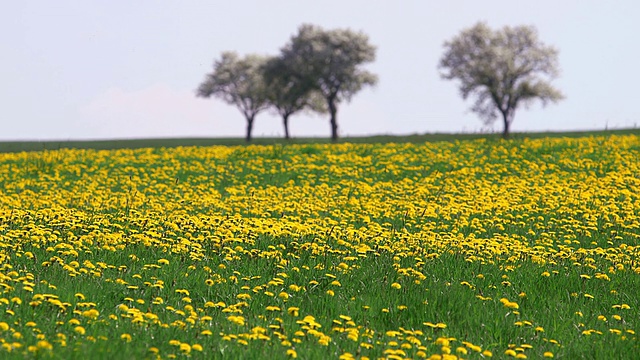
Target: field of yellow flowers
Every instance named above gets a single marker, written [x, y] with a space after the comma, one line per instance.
[473, 249]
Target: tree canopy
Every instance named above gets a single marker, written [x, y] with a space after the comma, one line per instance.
[504, 69]
[329, 62]
[288, 93]
[239, 82]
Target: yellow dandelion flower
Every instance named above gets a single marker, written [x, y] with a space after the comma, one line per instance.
[91, 314]
[238, 320]
[185, 348]
[44, 344]
[510, 352]
[293, 311]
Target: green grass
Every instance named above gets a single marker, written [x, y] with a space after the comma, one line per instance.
[396, 237]
[17, 146]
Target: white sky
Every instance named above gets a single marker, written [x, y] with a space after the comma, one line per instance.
[129, 69]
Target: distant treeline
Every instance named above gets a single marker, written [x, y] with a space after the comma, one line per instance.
[319, 69]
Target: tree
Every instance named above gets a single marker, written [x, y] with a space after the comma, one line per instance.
[329, 62]
[238, 81]
[503, 69]
[288, 93]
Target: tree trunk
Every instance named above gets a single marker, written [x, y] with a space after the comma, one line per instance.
[249, 127]
[506, 119]
[334, 121]
[285, 122]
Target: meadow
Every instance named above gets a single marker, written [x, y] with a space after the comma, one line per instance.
[470, 249]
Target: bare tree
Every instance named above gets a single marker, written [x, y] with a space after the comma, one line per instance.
[239, 82]
[503, 69]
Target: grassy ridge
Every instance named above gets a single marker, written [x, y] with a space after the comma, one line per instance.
[17, 146]
[462, 249]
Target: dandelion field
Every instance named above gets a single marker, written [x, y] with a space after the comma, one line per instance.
[472, 249]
